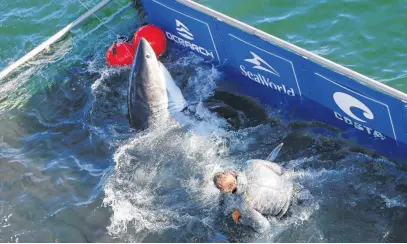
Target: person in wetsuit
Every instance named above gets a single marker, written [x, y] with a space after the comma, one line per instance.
[258, 190]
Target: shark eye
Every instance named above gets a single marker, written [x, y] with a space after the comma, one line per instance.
[147, 56]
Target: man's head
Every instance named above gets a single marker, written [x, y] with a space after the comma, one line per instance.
[225, 181]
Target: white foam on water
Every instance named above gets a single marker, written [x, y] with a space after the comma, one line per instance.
[156, 166]
[164, 174]
[202, 86]
[161, 183]
[163, 177]
[392, 202]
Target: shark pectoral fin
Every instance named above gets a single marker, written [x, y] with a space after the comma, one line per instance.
[176, 101]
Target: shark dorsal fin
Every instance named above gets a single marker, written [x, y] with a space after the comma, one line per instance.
[273, 155]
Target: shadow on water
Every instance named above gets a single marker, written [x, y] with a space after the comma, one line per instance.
[72, 169]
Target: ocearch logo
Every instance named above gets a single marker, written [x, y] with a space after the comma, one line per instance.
[347, 102]
[183, 30]
[184, 37]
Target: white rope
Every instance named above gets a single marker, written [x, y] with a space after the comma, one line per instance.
[117, 36]
[101, 22]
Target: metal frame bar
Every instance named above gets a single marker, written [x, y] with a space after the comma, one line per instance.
[300, 51]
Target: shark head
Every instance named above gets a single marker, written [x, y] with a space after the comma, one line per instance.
[152, 93]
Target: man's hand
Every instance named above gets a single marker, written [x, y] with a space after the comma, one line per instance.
[236, 216]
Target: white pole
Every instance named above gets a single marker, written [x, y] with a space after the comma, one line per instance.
[51, 40]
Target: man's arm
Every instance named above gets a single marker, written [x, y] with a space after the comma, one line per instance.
[229, 202]
[240, 211]
[255, 219]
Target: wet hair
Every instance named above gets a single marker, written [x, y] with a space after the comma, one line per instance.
[219, 178]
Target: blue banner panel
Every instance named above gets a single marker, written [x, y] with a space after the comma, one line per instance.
[264, 67]
[185, 27]
[356, 110]
[285, 80]
[290, 70]
[404, 109]
[310, 110]
[356, 105]
[263, 63]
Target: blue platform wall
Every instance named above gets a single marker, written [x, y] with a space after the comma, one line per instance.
[286, 80]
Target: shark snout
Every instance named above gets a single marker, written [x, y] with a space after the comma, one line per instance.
[144, 50]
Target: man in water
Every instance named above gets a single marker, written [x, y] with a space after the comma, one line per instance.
[259, 190]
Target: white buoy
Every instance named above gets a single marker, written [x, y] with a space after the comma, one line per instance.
[51, 40]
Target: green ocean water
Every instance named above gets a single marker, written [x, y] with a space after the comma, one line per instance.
[24, 24]
[366, 36]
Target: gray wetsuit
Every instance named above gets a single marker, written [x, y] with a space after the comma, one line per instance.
[262, 190]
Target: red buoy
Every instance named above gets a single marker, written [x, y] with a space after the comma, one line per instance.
[120, 53]
[154, 35]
